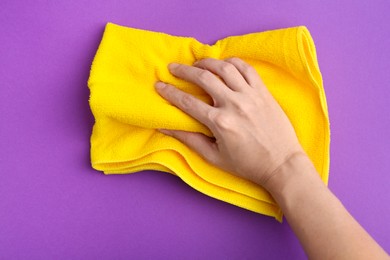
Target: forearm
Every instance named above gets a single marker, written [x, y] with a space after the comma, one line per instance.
[324, 227]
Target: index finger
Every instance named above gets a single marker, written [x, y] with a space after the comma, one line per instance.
[186, 102]
[203, 78]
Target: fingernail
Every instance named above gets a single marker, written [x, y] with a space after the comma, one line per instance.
[160, 85]
[173, 66]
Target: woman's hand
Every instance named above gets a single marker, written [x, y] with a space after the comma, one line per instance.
[255, 140]
[253, 136]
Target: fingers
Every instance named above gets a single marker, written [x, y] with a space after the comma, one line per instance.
[227, 71]
[203, 145]
[203, 78]
[247, 71]
[186, 102]
[235, 73]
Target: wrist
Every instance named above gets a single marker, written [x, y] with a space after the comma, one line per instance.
[298, 167]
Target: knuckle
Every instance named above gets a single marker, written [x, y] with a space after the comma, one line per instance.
[234, 60]
[168, 92]
[173, 95]
[186, 101]
[242, 109]
[201, 63]
[245, 106]
[227, 68]
[246, 68]
[211, 114]
[178, 69]
[206, 60]
[204, 76]
[222, 121]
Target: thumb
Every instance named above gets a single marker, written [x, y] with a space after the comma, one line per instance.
[200, 143]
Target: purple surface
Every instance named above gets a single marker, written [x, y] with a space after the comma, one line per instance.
[54, 206]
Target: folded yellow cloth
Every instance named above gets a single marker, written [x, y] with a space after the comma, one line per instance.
[127, 108]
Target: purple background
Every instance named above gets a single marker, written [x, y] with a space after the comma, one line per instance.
[54, 206]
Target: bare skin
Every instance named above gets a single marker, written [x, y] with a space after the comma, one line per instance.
[255, 140]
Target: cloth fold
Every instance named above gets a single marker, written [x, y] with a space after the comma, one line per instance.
[128, 110]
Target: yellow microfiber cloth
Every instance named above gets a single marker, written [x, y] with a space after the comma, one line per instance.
[128, 110]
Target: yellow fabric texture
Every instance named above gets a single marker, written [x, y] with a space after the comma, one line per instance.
[128, 110]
